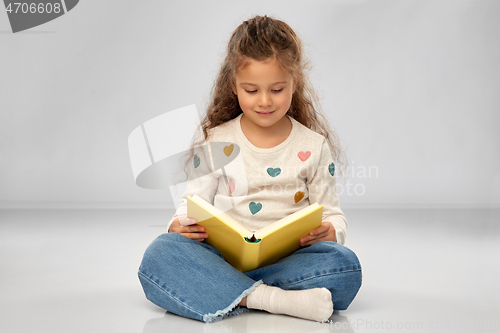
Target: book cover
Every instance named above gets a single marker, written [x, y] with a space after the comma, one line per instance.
[247, 250]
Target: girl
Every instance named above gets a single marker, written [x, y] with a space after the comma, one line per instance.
[263, 106]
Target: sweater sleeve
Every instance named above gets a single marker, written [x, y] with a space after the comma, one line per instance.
[201, 181]
[323, 190]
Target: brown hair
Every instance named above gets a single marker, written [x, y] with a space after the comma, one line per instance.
[261, 38]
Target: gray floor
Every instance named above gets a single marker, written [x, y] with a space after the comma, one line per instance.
[75, 271]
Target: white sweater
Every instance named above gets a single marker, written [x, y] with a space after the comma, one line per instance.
[257, 186]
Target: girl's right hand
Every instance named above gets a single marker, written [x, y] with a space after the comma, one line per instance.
[194, 231]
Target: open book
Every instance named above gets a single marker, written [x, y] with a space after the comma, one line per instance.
[246, 250]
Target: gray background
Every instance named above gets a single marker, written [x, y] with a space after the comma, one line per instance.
[411, 86]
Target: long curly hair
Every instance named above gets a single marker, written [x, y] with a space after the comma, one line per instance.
[261, 38]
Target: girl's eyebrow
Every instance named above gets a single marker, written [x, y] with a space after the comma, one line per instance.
[253, 84]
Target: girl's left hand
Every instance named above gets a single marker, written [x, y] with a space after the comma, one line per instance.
[325, 232]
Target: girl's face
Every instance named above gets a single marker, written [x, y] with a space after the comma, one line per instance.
[264, 92]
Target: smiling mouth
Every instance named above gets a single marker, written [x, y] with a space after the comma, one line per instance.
[264, 112]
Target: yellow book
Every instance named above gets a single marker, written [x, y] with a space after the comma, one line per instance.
[246, 250]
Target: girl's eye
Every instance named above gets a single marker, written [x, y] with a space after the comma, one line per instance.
[254, 91]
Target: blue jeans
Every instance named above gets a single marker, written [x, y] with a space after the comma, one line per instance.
[193, 280]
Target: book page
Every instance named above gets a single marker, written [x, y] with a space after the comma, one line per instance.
[288, 219]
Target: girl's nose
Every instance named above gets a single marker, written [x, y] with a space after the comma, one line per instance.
[264, 99]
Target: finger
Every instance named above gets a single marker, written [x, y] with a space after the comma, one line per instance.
[313, 240]
[306, 239]
[320, 235]
[307, 243]
[321, 229]
[195, 235]
[189, 230]
[198, 235]
[194, 228]
[316, 236]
